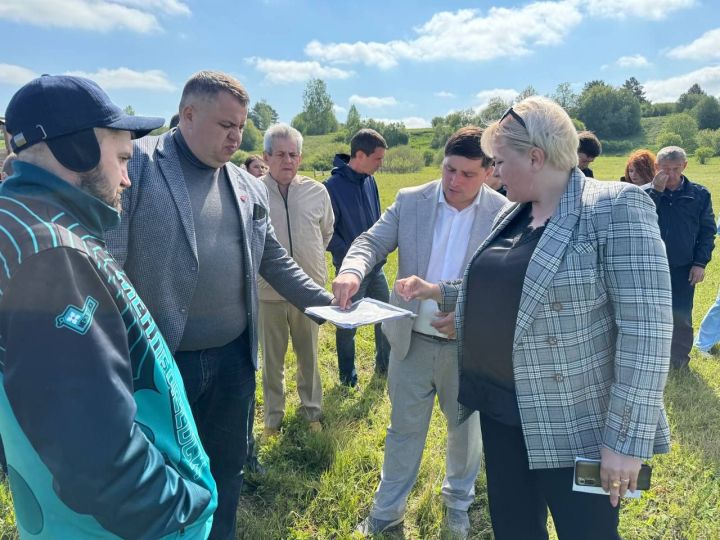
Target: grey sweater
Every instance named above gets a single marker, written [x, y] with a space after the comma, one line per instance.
[217, 313]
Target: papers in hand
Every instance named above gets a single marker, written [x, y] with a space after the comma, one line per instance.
[362, 312]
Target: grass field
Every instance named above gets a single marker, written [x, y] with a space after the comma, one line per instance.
[321, 485]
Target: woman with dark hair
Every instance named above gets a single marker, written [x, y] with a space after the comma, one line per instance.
[256, 166]
[563, 345]
[640, 168]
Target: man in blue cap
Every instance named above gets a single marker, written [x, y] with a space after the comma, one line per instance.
[99, 437]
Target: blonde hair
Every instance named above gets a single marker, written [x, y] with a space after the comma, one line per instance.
[548, 127]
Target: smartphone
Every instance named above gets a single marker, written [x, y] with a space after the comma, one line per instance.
[587, 473]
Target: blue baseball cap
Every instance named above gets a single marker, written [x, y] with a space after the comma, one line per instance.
[62, 111]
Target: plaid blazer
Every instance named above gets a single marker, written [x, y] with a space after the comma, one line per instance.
[156, 245]
[592, 338]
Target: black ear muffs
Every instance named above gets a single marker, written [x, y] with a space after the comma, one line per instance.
[79, 151]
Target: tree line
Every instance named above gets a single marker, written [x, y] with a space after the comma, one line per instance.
[613, 113]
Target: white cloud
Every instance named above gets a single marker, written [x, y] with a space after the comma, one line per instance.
[15, 75]
[463, 35]
[290, 71]
[152, 79]
[705, 47]
[409, 121]
[642, 9]
[670, 89]
[170, 7]
[444, 94]
[339, 110]
[92, 15]
[372, 101]
[634, 61]
[484, 97]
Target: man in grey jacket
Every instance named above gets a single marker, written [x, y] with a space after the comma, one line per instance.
[436, 227]
[194, 236]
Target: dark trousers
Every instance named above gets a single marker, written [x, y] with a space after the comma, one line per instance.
[519, 497]
[682, 304]
[220, 386]
[373, 286]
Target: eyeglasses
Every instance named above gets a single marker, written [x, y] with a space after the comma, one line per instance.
[282, 155]
[516, 116]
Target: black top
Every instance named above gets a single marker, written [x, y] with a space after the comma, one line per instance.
[494, 288]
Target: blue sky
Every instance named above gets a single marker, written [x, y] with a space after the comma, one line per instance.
[395, 60]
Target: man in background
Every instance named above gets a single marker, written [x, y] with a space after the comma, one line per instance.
[588, 149]
[302, 215]
[356, 206]
[687, 227]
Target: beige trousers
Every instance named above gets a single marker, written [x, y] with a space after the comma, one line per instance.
[278, 320]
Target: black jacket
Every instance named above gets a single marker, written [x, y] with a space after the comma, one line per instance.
[687, 223]
[356, 205]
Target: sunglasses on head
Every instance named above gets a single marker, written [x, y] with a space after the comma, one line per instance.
[516, 116]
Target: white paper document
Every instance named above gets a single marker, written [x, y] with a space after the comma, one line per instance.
[362, 312]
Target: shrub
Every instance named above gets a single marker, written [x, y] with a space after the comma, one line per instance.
[252, 139]
[659, 109]
[668, 138]
[619, 146]
[703, 153]
[428, 157]
[239, 157]
[580, 126]
[403, 159]
[685, 126]
[322, 160]
[709, 137]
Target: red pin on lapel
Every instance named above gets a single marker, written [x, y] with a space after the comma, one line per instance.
[243, 198]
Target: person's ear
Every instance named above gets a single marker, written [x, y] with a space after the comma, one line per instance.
[537, 158]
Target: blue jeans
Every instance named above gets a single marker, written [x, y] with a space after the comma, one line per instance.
[220, 386]
[373, 286]
[709, 333]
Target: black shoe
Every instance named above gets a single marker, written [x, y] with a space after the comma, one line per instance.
[254, 466]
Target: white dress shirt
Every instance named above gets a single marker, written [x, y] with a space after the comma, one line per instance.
[449, 246]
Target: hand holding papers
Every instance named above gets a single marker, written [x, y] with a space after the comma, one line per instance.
[361, 313]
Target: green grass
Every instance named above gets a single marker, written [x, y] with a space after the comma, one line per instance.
[321, 485]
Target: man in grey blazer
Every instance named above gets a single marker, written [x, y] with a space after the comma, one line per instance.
[436, 227]
[194, 235]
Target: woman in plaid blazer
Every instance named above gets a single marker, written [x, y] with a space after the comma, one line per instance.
[564, 325]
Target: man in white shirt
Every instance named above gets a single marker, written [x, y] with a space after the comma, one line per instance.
[436, 227]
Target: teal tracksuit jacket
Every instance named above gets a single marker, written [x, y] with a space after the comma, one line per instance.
[98, 434]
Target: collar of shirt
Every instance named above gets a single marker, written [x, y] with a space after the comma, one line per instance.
[442, 201]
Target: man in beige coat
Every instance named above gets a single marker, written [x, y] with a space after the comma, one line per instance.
[301, 213]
